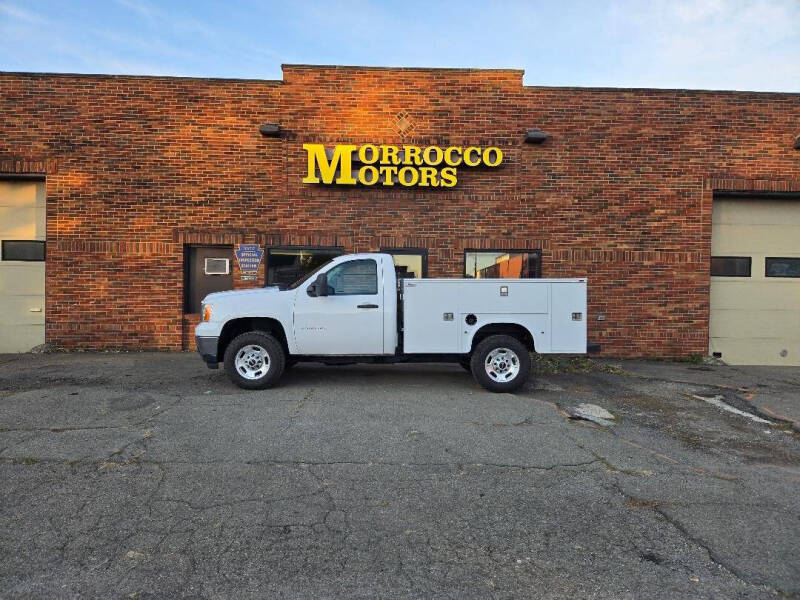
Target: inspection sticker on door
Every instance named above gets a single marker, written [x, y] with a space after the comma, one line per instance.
[249, 257]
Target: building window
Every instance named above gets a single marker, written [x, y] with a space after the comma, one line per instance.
[353, 278]
[409, 262]
[501, 264]
[217, 266]
[782, 267]
[730, 266]
[287, 265]
[28, 250]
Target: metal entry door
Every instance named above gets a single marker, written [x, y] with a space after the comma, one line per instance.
[207, 273]
[22, 238]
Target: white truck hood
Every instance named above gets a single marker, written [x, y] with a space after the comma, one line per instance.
[261, 302]
[213, 297]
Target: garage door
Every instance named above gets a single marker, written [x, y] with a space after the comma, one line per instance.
[22, 236]
[755, 281]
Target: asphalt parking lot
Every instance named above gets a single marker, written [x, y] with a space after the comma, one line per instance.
[147, 475]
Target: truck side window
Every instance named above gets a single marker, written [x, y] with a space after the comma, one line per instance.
[355, 277]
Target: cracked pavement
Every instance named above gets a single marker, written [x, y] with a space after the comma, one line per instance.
[147, 475]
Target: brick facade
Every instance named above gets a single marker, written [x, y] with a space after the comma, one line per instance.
[138, 167]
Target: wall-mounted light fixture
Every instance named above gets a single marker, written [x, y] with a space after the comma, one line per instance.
[270, 130]
[797, 143]
[535, 136]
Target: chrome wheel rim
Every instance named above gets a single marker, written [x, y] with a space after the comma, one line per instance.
[252, 361]
[502, 365]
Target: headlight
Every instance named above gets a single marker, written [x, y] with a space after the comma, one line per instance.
[205, 310]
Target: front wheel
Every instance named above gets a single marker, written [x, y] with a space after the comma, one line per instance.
[501, 363]
[254, 360]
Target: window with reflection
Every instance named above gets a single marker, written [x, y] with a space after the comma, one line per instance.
[287, 265]
[27, 250]
[731, 266]
[409, 263]
[502, 264]
[353, 278]
[782, 267]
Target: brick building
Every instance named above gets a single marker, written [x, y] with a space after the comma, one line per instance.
[137, 185]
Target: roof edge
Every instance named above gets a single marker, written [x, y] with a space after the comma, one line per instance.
[655, 90]
[129, 76]
[387, 68]
[575, 88]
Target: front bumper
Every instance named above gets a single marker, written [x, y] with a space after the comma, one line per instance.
[207, 347]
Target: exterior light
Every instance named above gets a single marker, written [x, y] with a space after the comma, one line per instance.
[535, 136]
[270, 130]
[206, 310]
[797, 143]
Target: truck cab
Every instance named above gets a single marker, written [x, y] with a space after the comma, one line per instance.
[354, 309]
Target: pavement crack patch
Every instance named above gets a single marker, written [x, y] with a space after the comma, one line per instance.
[693, 384]
[156, 413]
[712, 554]
[19, 443]
[307, 397]
[668, 459]
[612, 468]
[459, 465]
[65, 429]
[658, 508]
[227, 503]
[719, 402]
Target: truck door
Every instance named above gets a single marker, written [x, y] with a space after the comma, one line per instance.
[349, 321]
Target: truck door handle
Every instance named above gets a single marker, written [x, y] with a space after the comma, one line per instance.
[368, 306]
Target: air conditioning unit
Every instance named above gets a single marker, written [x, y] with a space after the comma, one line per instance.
[217, 266]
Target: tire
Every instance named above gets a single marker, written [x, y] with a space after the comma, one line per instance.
[509, 363]
[245, 372]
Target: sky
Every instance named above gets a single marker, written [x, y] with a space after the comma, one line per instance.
[701, 44]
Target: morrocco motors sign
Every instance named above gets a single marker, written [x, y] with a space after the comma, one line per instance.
[408, 166]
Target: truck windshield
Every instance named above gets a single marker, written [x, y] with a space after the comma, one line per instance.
[307, 276]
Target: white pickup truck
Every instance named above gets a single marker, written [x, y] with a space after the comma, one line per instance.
[354, 309]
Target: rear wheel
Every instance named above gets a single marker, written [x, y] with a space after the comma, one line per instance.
[254, 360]
[501, 363]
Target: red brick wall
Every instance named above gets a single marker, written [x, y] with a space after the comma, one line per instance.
[621, 192]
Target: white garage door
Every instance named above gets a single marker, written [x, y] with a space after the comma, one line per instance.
[755, 281]
[22, 236]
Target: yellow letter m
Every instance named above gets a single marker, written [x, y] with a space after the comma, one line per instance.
[342, 160]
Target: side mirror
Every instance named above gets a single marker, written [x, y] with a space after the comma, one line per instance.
[321, 284]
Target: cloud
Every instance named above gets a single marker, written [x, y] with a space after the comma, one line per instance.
[710, 43]
[19, 14]
[24, 35]
[730, 44]
[166, 20]
[141, 8]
